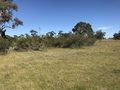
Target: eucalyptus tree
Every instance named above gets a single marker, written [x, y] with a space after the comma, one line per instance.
[7, 19]
[83, 28]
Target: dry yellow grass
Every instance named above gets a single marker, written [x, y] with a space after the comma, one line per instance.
[89, 68]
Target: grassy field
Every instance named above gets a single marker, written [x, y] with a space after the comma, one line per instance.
[89, 68]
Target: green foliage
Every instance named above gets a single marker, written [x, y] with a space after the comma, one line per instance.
[116, 36]
[33, 33]
[4, 46]
[63, 40]
[27, 42]
[70, 40]
[99, 34]
[6, 13]
[7, 19]
[83, 28]
[51, 39]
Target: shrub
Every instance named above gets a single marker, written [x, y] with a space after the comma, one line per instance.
[116, 36]
[74, 41]
[62, 40]
[4, 46]
[25, 43]
[99, 34]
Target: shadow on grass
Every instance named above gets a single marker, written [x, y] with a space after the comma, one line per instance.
[116, 71]
[77, 87]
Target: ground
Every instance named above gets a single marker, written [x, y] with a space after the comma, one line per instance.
[88, 68]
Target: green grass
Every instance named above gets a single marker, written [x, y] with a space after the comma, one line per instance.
[89, 68]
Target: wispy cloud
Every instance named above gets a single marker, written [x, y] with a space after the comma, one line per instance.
[104, 28]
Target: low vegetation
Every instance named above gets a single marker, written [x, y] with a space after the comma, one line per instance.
[89, 68]
[116, 36]
[82, 35]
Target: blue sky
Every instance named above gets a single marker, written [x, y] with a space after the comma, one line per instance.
[56, 15]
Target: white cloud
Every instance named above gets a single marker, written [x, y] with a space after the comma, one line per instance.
[104, 28]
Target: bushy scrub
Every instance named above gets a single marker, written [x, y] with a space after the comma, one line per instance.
[4, 46]
[116, 36]
[82, 35]
[26, 43]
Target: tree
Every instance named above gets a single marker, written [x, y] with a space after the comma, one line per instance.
[60, 33]
[116, 36]
[7, 7]
[99, 34]
[83, 28]
[50, 34]
[33, 33]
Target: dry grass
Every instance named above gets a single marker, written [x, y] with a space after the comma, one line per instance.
[89, 68]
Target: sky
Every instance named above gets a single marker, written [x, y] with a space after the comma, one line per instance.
[56, 15]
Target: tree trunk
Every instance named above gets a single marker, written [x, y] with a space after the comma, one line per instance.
[2, 33]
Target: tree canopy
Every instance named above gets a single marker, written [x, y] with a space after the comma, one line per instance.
[83, 28]
[99, 34]
[7, 20]
[116, 36]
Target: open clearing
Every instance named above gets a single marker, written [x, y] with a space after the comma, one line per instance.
[90, 68]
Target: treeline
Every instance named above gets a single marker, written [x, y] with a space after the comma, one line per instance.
[61, 40]
[116, 36]
[82, 34]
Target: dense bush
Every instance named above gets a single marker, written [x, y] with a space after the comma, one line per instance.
[82, 35]
[99, 35]
[4, 46]
[73, 41]
[37, 42]
[116, 36]
[25, 43]
[63, 40]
